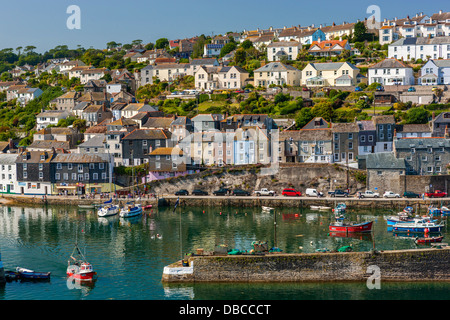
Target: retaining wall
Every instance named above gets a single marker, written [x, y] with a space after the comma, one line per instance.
[396, 265]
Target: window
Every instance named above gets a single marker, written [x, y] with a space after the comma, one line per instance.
[58, 166]
[57, 176]
[65, 176]
[41, 166]
[95, 176]
[41, 175]
[69, 166]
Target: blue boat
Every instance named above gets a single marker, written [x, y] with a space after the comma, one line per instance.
[131, 210]
[393, 220]
[409, 210]
[26, 274]
[433, 211]
[445, 211]
[422, 225]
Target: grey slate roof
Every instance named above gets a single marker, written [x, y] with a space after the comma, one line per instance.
[422, 143]
[384, 160]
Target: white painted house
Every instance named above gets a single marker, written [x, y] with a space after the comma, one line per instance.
[435, 72]
[49, 117]
[8, 180]
[420, 48]
[283, 49]
[391, 72]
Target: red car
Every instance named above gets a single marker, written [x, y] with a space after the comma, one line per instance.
[436, 194]
[291, 193]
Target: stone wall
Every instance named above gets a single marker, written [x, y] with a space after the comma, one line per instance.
[323, 177]
[398, 265]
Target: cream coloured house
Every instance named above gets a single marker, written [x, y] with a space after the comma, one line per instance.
[330, 74]
[277, 73]
[276, 51]
[213, 78]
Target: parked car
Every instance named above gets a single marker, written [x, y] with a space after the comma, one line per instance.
[239, 91]
[240, 192]
[305, 89]
[380, 88]
[182, 192]
[358, 89]
[369, 194]
[410, 194]
[390, 194]
[436, 194]
[221, 192]
[198, 192]
[338, 193]
[310, 192]
[291, 193]
[411, 89]
[264, 192]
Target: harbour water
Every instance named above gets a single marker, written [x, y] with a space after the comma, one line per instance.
[129, 255]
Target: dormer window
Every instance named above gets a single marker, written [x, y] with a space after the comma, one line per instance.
[42, 157]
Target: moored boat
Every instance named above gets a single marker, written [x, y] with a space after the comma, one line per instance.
[339, 226]
[131, 210]
[78, 268]
[108, 210]
[27, 274]
[420, 225]
[425, 240]
[445, 211]
[266, 208]
[148, 207]
[433, 211]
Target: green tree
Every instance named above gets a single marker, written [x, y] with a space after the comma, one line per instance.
[417, 116]
[227, 48]
[161, 43]
[303, 117]
[360, 33]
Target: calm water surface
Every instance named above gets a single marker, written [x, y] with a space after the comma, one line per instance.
[129, 256]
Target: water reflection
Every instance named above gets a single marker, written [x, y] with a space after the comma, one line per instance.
[43, 237]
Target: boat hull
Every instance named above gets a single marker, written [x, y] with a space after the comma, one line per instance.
[361, 227]
[130, 213]
[426, 240]
[412, 228]
[83, 276]
[108, 212]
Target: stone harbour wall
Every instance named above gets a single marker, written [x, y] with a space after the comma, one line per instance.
[397, 265]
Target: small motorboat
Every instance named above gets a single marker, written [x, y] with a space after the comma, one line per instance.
[148, 207]
[445, 211]
[78, 268]
[409, 210]
[340, 226]
[320, 208]
[433, 211]
[266, 208]
[27, 274]
[131, 210]
[425, 240]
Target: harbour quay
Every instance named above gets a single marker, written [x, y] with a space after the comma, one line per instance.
[431, 264]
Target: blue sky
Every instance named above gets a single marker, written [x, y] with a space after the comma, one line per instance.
[43, 23]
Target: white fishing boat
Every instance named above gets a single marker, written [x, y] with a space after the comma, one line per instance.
[266, 208]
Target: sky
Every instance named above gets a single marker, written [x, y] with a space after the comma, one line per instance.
[43, 23]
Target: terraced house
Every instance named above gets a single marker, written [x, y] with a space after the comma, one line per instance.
[424, 156]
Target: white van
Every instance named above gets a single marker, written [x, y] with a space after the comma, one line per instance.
[313, 193]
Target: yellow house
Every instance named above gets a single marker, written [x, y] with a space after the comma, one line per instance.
[332, 74]
[277, 73]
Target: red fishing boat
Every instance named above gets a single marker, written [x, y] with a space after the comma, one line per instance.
[78, 268]
[424, 240]
[340, 226]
